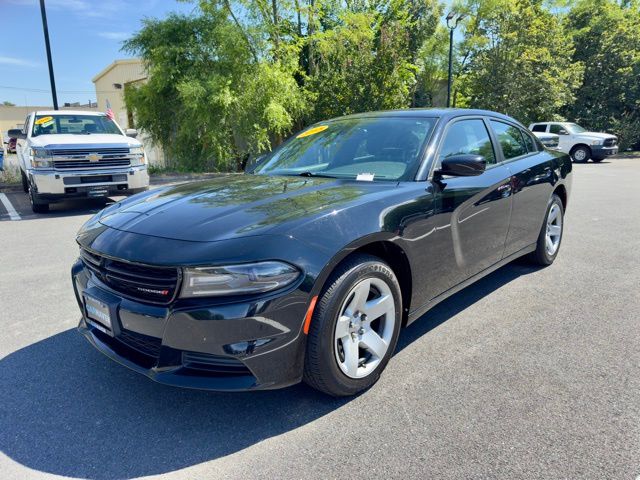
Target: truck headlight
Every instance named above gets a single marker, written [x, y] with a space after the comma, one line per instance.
[237, 279]
[596, 142]
[138, 156]
[40, 158]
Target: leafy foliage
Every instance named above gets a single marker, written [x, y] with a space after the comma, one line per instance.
[236, 77]
[607, 38]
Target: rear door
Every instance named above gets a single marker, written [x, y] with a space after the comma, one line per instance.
[532, 182]
[476, 210]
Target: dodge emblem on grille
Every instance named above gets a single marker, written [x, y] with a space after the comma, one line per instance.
[94, 157]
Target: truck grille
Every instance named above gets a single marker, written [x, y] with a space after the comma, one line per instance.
[67, 159]
[610, 142]
[141, 282]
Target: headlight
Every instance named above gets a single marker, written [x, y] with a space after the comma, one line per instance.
[596, 142]
[40, 158]
[138, 156]
[237, 279]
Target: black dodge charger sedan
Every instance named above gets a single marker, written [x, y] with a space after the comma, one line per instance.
[307, 266]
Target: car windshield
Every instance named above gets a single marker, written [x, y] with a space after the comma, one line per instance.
[368, 148]
[73, 124]
[574, 128]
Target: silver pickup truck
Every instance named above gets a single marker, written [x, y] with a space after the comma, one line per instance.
[77, 154]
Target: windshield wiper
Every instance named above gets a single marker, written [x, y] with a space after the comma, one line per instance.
[309, 173]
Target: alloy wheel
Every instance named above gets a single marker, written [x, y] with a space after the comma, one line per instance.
[365, 327]
[554, 230]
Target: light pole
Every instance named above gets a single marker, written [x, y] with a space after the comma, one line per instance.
[453, 19]
[45, 28]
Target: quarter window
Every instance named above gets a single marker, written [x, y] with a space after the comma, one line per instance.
[510, 139]
[468, 137]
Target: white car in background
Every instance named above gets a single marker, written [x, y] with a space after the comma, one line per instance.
[579, 143]
[77, 154]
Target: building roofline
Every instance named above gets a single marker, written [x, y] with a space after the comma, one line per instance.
[112, 65]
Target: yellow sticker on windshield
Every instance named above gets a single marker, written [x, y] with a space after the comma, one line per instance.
[42, 120]
[313, 131]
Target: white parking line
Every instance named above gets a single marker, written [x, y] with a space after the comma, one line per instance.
[13, 215]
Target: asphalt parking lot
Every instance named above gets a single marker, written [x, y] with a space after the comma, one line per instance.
[529, 373]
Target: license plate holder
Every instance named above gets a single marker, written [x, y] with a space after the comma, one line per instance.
[98, 192]
[99, 314]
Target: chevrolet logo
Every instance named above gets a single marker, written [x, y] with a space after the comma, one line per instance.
[94, 157]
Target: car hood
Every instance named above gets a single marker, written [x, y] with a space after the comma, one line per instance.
[595, 135]
[65, 140]
[236, 206]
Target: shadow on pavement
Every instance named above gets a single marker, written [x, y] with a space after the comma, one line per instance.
[66, 409]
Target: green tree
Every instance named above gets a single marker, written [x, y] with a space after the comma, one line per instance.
[607, 38]
[519, 60]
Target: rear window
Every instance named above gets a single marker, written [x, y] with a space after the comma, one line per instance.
[73, 124]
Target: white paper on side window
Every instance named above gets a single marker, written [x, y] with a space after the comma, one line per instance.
[365, 177]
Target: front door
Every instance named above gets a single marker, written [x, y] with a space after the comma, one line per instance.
[477, 209]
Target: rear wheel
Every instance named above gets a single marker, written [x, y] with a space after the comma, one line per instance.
[550, 235]
[355, 327]
[580, 154]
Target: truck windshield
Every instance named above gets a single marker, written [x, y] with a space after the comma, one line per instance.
[575, 128]
[367, 148]
[73, 124]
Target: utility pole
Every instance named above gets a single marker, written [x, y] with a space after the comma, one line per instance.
[45, 29]
[451, 26]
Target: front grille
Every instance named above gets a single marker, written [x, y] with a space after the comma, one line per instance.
[610, 142]
[142, 343]
[214, 363]
[142, 282]
[67, 159]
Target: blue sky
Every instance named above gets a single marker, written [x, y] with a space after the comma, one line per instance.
[86, 36]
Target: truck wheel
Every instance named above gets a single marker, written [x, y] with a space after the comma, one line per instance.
[37, 205]
[25, 182]
[580, 154]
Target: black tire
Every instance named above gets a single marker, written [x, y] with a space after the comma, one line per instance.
[37, 205]
[541, 255]
[582, 152]
[25, 181]
[321, 369]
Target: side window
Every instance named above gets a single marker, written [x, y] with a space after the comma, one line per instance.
[470, 137]
[531, 145]
[539, 128]
[510, 139]
[557, 129]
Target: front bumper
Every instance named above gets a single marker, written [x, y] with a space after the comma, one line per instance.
[200, 343]
[80, 183]
[599, 152]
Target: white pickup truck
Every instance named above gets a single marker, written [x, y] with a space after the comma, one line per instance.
[77, 154]
[579, 143]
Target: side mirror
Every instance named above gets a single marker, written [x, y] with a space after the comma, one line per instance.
[254, 162]
[464, 165]
[131, 132]
[16, 133]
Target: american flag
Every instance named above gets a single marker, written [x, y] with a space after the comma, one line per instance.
[109, 112]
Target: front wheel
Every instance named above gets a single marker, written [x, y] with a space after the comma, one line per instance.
[37, 205]
[550, 235]
[355, 327]
[580, 154]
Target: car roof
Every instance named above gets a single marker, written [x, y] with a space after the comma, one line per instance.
[430, 113]
[69, 112]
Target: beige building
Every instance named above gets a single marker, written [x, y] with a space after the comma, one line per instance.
[110, 85]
